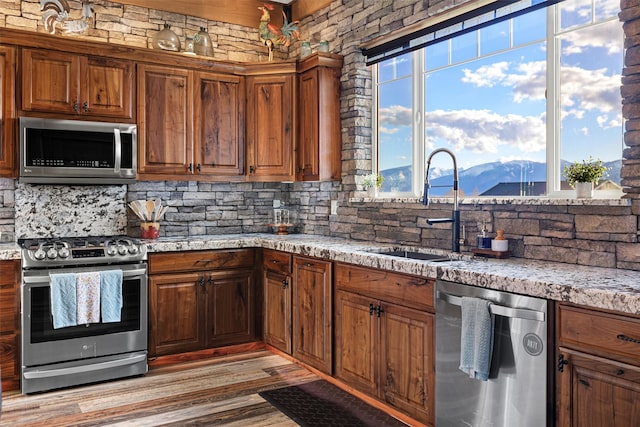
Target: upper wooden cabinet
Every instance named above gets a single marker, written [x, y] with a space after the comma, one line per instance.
[66, 83]
[7, 111]
[190, 123]
[270, 103]
[319, 127]
[165, 120]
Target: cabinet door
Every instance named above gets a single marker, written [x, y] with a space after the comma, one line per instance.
[219, 124]
[308, 149]
[407, 360]
[165, 111]
[50, 81]
[106, 87]
[7, 111]
[312, 312]
[356, 341]
[176, 313]
[269, 128]
[10, 324]
[593, 391]
[230, 307]
[277, 307]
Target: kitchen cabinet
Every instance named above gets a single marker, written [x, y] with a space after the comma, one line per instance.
[10, 324]
[277, 290]
[319, 127]
[270, 127]
[67, 83]
[598, 368]
[384, 332]
[201, 299]
[7, 111]
[312, 312]
[190, 124]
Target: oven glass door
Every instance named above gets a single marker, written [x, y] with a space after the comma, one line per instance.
[44, 344]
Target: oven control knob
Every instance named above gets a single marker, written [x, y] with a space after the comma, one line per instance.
[122, 250]
[112, 251]
[52, 253]
[39, 254]
[133, 250]
[63, 252]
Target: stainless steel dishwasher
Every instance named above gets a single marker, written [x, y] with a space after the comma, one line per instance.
[516, 392]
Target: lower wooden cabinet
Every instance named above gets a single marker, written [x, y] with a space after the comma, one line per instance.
[276, 282]
[201, 299]
[10, 324]
[384, 331]
[312, 312]
[598, 369]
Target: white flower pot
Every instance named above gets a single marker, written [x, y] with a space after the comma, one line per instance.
[584, 190]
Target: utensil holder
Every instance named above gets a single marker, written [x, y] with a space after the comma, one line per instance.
[149, 230]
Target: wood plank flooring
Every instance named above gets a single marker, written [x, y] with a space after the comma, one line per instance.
[213, 392]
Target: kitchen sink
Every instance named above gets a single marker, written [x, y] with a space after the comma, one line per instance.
[416, 255]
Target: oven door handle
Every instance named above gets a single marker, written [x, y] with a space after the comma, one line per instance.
[46, 279]
[85, 368]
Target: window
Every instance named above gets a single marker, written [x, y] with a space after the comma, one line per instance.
[515, 101]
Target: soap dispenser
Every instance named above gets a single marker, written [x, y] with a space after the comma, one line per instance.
[483, 241]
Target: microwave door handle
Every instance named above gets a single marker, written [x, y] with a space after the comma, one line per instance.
[118, 150]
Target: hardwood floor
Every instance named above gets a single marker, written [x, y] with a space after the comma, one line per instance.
[219, 391]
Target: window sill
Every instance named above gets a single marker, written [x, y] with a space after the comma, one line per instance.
[478, 201]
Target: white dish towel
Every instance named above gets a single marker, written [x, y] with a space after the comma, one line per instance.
[476, 338]
[88, 297]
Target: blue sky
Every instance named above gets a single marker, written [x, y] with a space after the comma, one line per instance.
[493, 108]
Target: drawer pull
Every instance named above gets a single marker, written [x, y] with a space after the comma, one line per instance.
[628, 339]
[274, 261]
[203, 261]
[619, 372]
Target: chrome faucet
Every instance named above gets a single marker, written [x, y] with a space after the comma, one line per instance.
[455, 215]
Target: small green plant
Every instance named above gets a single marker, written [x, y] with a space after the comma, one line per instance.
[587, 171]
[371, 180]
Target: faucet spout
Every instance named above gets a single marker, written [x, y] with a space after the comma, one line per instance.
[455, 214]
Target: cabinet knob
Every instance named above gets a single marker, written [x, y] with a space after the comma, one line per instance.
[85, 107]
[252, 169]
[620, 372]
[76, 107]
[285, 284]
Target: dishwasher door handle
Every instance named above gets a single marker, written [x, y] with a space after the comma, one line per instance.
[499, 310]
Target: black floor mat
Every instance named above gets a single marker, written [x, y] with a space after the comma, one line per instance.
[321, 404]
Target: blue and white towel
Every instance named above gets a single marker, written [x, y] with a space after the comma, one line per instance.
[476, 338]
[111, 295]
[63, 300]
[88, 297]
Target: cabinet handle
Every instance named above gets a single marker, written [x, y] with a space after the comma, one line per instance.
[76, 107]
[299, 169]
[191, 167]
[201, 281]
[198, 167]
[285, 284]
[561, 362]
[252, 169]
[620, 372]
[308, 264]
[203, 261]
[628, 339]
[85, 107]
[372, 308]
[210, 281]
[274, 261]
[379, 310]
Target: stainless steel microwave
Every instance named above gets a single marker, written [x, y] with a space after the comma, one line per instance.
[56, 151]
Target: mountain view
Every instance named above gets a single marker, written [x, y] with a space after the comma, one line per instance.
[514, 178]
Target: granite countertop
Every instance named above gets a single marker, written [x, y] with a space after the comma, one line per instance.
[596, 287]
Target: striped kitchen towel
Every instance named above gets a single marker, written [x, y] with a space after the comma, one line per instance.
[88, 297]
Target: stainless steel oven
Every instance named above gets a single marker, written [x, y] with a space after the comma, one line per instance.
[84, 353]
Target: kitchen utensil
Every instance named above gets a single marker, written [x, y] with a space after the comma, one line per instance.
[136, 210]
[156, 209]
[150, 204]
[161, 212]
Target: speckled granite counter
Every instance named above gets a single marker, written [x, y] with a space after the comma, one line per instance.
[590, 286]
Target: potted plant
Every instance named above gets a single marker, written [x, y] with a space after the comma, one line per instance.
[582, 176]
[372, 182]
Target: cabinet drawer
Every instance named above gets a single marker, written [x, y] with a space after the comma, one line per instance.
[200, 260]
[600, 333]
[402, 289]
[276, 261]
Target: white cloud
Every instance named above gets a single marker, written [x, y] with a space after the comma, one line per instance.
[486, 75]
[387, 131]
[607, 36]
[395, 115]
[483, 131]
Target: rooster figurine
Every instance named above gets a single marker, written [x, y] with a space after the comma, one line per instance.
[271, 35]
